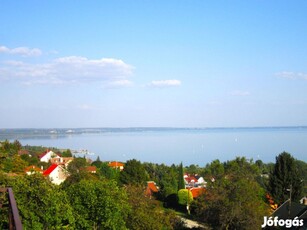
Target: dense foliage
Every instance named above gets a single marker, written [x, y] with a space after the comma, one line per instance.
[112, 199]
[285, 177]
[235, 200]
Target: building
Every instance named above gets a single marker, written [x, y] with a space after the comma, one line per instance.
[47, 156]
[151, 188]
[116, 165]
[61, 160]
[56, 173]
[33, 169]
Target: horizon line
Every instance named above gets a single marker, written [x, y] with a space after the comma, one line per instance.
[164, 127]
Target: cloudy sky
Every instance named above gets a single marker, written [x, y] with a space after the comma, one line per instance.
[130, 63]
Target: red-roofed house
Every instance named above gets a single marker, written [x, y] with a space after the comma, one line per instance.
[196, 192]
[47, 155]
[116, 165]
[56, 173]
[90, 169]
[194, 181]
[33, 169]
[151, 188]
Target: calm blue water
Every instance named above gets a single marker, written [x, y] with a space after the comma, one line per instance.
[190, 146]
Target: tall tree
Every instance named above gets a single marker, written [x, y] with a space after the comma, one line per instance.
[181, 184]
[235, 200]
[134, 173]
[285, 176]
[146, 213]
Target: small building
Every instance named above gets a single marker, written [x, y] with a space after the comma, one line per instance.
[90, 169]
[291, 210]
[116, 165]
[33, 169]
[47, 156]
[56, 173]
[197, 191]
[194, 181]
[61, 160]
[151, 188]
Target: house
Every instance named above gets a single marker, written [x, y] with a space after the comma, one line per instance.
[61, 160]
[291, 210]
[116, 165]
[151, 189]
[56, 173]
[47, 155]
[197, 191]
[33, 169]
[90, 169]
[194, 181]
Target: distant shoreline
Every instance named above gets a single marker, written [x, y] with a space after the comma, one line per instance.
[24, 133]
[158, 128]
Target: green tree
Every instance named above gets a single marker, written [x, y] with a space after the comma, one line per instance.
[98, 204]
[165, 176]
[302, 169]
[146, 213]
[76, 165]
[214, 170]
[234, 200]
[192, 169]
[134, 173]
[284, 176]
[108, 172]
[66, 153]
[41, 204]
[181, 184]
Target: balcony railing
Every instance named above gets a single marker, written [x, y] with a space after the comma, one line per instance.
[13, 215]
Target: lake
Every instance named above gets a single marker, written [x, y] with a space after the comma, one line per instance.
[171, 145]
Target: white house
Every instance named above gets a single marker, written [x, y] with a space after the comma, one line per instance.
[47, 155]
[56, 173]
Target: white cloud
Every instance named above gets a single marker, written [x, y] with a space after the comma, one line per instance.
[165, 83]
[240, 93]
[71, 69]
[292, 75]
[22, 51]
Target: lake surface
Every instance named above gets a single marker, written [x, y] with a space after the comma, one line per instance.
[171, 145]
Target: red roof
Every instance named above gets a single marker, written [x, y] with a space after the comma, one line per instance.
[33, 168]
[191, 179]
[50, 169]
[152, 186]
[91, 168]
[196, 192]
[115, 164]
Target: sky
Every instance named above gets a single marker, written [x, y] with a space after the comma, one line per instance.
[141, 63]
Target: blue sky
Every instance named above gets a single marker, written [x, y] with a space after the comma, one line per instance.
[153, 63]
